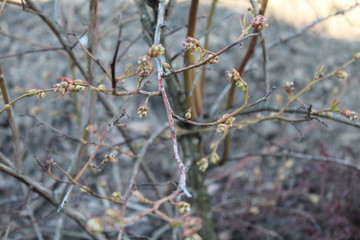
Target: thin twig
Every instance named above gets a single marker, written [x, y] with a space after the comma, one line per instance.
[313, 82]
[234, 113]
[96, 60]
[30, 52]
[92, 157]
[210, 58]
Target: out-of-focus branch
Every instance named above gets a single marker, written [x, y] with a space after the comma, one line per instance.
[300, 156]
[272, 108]
[12, 121]
[48, 195]
[57, 33]
[193, 99]
[209, 20]
[137, 165]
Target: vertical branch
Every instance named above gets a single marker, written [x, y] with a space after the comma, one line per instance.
[92, 46]
[169, 112]
[206, 43]
[12, 121]
[193, 100]
[265, 60]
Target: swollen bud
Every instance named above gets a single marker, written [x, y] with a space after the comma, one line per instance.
[259, 22]
[142, 111]
[156, 50]
[342, 74]
[203, 164]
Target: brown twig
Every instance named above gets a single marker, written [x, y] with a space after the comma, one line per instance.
[113, 63]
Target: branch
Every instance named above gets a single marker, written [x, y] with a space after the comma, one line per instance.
[210, 58]
[169, 112]
[335, 118]
[137, 165]
[313, 82]
[47, 195]
[234, 113]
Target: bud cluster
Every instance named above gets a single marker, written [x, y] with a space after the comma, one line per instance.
[142, 111]
[353, 116]
[69, 85]
[109, 222]
[229, 120]
[145, 67]
[203, 164]
[156, 50]
[289, 87]
[191, 226]
[214, 158]
[221, 128]
[192, 45]
[110, 158]
[234, 75]
[341, 74]
[259, 22]
[213, 60]
[184, 208]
